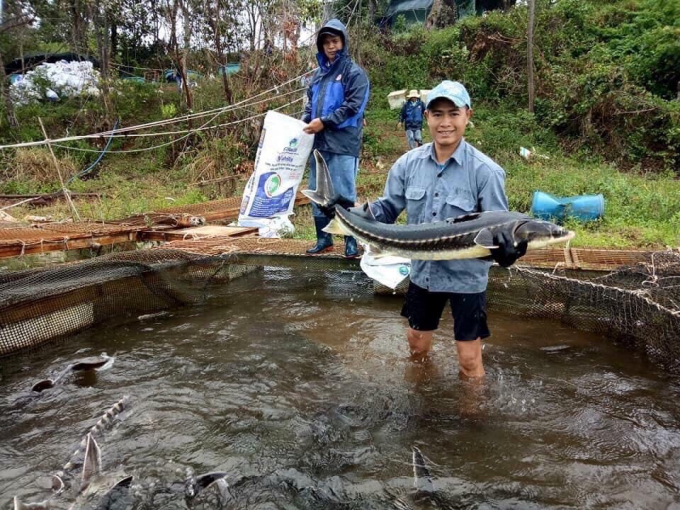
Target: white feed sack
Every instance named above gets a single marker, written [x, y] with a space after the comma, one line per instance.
[396, 99]
[281, 158]
[59, 80]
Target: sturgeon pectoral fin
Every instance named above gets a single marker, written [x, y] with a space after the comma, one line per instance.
[43, 385]
[422, 478]
[201, 482]
[89, 364]
[485, 239]
[334, 227]
[125, 482]
[222, 488]
[206, 480]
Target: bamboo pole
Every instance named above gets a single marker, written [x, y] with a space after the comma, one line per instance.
[76, 216]
[530, 55]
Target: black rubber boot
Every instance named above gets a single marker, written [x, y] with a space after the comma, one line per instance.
[351, 249]
[324, 241]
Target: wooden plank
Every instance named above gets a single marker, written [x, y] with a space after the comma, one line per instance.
[45, 246]
[208, 231]
[213, 231]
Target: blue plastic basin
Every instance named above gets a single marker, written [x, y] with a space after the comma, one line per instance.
[583, 207]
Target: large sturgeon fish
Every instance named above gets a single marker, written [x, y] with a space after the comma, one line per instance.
[94, 489]
[464, 237]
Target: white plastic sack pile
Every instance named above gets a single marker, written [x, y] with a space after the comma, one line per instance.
[279, 165]
[55, 81]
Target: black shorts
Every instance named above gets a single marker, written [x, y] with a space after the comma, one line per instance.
[423, 309]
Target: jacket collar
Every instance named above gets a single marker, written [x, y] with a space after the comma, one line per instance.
[325, 66]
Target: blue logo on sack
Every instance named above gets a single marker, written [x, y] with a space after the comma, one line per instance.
[292, 145]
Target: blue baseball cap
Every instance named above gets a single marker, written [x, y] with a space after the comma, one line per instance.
[454, 91]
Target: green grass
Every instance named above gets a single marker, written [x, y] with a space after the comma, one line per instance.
[642, 210]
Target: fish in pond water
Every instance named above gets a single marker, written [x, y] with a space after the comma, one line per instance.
[94, 490]
[81, 365]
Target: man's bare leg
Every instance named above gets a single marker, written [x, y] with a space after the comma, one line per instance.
[472, 375]
[419, 343]
[470, 359]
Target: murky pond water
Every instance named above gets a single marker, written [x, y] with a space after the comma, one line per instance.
[303, 392]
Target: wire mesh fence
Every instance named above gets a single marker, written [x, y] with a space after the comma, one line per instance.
[639, 303]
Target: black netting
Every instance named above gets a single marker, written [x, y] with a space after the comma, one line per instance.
[38, 305]
[640, 303]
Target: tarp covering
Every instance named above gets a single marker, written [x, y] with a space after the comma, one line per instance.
[402, 6]
[418, 10]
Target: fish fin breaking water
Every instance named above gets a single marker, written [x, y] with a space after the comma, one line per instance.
[196, 484]
[422, 478]
[92, 464]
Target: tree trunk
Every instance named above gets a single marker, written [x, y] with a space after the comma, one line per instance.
[4, 89]
[101, 31]
[179, 59]
[114, 38]
[358, 43]
[221, 57]
[431, 20]
[530, 55]
[185, 53]
[77, 27]
[21, 55]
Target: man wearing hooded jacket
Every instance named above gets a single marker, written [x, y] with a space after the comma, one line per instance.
[337, 97]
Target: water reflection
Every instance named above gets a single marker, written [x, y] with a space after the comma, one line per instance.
[304, 393]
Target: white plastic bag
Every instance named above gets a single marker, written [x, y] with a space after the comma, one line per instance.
[279, 165]
[390, 271]
[64, 79]
[278, 226]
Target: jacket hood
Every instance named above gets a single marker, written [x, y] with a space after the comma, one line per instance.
[337, 26]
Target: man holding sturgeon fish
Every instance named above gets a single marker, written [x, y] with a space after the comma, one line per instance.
[436, 183]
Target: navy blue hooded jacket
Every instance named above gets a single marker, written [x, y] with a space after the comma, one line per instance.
[412, 114]
[337, 95]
